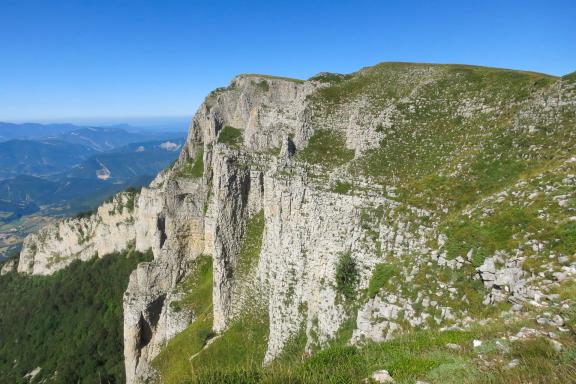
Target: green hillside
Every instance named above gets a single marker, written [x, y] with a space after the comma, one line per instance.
[68, 324]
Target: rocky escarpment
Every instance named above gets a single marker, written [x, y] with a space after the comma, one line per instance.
[402, 196]
[54, 247]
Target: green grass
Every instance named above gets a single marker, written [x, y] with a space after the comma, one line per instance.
[417, 355]
[188, 358]
[571, 76]
[273, 77]
[241, 346]
[539, 364]
[347, 276]
[230, 136]
[380, 278]
[512, 218]
[234, 355]
[251, 245]
[132, 195]
[198, 167]
[197, 287]
[428, 136]
[326, 148]
[486, 236]
[330, 77]
[263, 86]
[193, 167]
[342, 188]
[173, 362]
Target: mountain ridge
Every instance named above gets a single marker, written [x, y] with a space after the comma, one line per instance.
[351, 211]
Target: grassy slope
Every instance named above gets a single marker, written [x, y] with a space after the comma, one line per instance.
[458, 135]
[173, 362]
[429, 135]
[70, 322]
[418, 355]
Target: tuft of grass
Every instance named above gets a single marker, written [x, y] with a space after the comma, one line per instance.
[321, 367]
[539, 364]
[230, 136]
[193, 167]
[486, 236]
[342, 187]
[347, 276]
[198, 167]
[197, 287]
[565, 236]
[251, 245]
[263, 86]
[380, 278]
[452, 369]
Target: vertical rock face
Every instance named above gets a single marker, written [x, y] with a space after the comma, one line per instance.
[307, 231]
[149, 320]
[171, 223]
[369, 200]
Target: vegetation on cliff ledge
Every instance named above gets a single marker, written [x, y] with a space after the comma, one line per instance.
[194, 167]
[230, 136]
[326, 148]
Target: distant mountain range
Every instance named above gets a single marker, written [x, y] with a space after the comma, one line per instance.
[33, 131]
[101, 138]
[28, 149]
[71, 194]
[71, 169]
[106, 139]
[40, 158]
[62, 169]
[126, 162]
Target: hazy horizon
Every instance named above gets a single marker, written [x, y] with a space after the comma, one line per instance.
[107, 60]
[160, 123]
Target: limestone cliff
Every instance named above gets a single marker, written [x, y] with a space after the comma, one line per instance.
[54, 247]
[402, 171]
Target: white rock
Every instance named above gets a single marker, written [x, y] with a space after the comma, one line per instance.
[513, 364]
[382, 376]
[556, 345]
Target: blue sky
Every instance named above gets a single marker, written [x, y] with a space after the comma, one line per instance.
[114, 60]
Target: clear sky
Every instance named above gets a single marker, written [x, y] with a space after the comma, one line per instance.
[114, 59]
